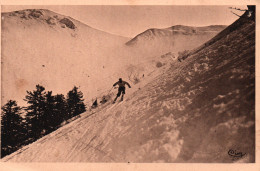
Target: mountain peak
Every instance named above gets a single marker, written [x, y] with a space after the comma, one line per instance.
[153, 33]
[43, 15]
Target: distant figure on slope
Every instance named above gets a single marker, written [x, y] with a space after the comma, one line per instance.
[94, 105]
[121, 88]
[104, 100]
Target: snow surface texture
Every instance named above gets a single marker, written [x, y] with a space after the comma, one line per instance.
[58, 52]
[193, 111]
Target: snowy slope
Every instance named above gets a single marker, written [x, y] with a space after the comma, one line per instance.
[193, 111]
[175, 39]
[37, 48]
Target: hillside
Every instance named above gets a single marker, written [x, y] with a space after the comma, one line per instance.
[196, 110]
[176, 38]
[43, 47]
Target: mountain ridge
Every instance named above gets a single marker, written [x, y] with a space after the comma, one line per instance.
[30, 14]
[175, 30]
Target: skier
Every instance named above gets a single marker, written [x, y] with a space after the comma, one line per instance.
[121, 88]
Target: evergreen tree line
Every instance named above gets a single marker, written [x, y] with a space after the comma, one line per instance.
[44, 113]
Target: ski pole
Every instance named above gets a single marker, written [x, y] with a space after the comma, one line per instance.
[110, 89]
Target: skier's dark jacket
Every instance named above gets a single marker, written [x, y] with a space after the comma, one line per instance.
[122, 84]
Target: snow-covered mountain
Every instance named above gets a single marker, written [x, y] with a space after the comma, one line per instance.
[199, 110]
[176, 38]
[58, 52]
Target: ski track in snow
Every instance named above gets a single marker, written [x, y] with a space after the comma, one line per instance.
[193, 111]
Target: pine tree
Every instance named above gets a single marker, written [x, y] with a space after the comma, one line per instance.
[49, 113]
[35, 112]
[75, 102]
[60, 109]
[12, 130]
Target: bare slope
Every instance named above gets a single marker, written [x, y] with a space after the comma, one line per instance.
[176, 38]
[196, 111]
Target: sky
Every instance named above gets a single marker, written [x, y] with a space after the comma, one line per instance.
[128, 21]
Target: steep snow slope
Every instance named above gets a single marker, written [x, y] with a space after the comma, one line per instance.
[42, 47]
[194, 111]
[176, 38]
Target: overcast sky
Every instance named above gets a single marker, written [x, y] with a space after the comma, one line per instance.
[129, 21]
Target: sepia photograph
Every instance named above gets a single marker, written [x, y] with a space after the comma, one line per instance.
[128, 83]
